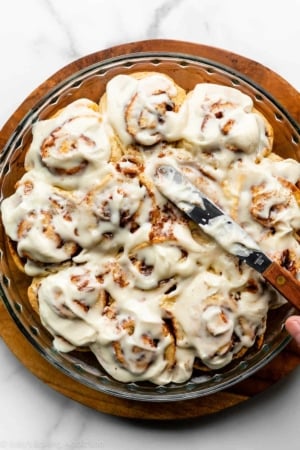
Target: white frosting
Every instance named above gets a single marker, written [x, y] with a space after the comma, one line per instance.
[222, 117]
[121, 270]
[230, 236]
[141, 110]
[71, 149]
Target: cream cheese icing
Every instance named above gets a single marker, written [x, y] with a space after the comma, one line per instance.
[223, 117]
[121, 271]
[142, 109]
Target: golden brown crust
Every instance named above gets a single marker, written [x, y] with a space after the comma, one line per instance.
[269, 132]
[19, 262]
[32, 293]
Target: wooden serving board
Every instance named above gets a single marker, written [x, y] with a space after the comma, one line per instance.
[282, 365]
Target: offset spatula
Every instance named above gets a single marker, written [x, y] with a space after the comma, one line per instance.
[224, 230]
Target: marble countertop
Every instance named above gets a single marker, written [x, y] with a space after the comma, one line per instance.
[38, 37]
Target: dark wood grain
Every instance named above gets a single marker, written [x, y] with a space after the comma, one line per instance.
[278, 368]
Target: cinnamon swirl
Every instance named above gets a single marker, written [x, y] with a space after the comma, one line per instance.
[71, 147]
[142, 107]
[223, 118]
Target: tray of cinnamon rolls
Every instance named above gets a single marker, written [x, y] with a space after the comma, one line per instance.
[118, 288]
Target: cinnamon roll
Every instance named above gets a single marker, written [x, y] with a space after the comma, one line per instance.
[153, 263]
[45, 223]
[71, 146]
[39, 219]
[223, 118]
[69, 302]
[220, 320]
[268, 206]
[142, 107]
[134, 348]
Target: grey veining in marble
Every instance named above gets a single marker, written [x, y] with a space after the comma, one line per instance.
[160, 14]
[69, 39]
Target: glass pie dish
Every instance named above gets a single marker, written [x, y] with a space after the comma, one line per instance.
[90, 82]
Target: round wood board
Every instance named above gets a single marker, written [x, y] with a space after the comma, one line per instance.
[278, 368]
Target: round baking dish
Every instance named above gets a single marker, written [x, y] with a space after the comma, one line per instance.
[90, 82]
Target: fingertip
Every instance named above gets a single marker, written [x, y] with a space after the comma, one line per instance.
[292, 325]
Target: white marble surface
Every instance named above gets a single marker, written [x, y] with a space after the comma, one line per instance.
[37, 37]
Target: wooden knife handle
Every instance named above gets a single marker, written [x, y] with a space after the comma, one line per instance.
[282, 280]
